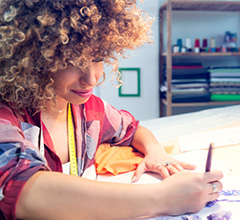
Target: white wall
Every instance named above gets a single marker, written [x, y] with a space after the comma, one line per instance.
[146, 58]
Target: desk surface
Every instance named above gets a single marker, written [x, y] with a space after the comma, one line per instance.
[169, 130]
[172, 127]
[229, 156]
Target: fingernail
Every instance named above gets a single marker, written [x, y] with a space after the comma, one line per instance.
[133, 179]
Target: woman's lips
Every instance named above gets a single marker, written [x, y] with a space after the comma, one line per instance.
[83, 93]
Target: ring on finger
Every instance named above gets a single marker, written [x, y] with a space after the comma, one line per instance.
[214, 188]
[164, 165]
[167, 163]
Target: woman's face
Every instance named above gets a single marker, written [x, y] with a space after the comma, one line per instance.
[74, 86]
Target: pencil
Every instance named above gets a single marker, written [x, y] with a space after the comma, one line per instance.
[209, 158]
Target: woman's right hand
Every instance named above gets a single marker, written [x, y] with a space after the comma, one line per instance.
[189, 192]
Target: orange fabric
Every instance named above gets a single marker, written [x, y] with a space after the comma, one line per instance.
[116, 160]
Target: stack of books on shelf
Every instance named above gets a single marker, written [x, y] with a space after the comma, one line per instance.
[190, 83]
[224, 83]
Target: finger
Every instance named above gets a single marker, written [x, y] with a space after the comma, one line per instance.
[213, 196]
[139, 171]
[215, 187]
[213, 176]
[177, 166]
[172, 169]
[162, 170]
[187, 166]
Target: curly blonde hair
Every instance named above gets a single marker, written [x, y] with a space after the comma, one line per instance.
[39, 37]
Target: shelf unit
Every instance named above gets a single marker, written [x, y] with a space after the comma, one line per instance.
[190, 5]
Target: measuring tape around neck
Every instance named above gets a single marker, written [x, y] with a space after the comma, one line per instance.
[71, 144]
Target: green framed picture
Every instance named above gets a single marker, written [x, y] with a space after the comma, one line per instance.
[131, 82]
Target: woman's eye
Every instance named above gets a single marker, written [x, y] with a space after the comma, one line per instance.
[97, 60]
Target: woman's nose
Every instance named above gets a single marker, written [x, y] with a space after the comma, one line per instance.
[91, 76]
[88, 79]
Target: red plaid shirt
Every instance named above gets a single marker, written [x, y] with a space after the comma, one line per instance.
[96, 122]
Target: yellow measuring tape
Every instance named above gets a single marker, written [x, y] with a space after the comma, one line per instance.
[71, 144]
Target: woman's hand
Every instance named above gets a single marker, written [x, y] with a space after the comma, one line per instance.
[189, 192]
[159, 161]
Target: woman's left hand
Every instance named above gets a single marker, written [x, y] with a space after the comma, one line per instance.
[158, 161]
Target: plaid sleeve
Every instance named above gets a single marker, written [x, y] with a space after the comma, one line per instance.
[19, 160]
[113, 126]
[119, 126]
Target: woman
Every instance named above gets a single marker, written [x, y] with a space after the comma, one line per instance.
[52, 55]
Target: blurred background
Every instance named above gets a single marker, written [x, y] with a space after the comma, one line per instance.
[185, 24]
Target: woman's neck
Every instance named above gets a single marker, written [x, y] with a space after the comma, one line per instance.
[57, 111]
[55, 120]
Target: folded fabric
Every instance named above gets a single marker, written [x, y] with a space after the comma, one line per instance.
[186, 67]
[224, 97]
[189, 91]
[185, 88]
[187, 64]
[225, 74]
[189, 81]
[189, 71]
[230, 69]
[194, 97]
[223, 67]
[194, 73]
[116, 160]
[225, 90]
[226, 84]
[189, 86]
[225, 80]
